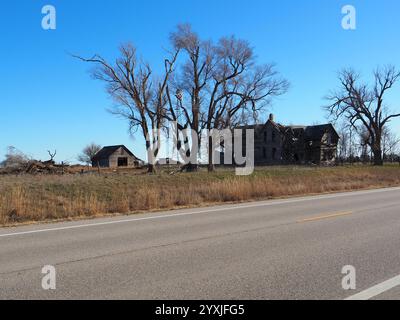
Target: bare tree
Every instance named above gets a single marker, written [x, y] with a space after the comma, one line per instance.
[52, 154]
[192, 81]
[88, 153]
[222, 82]
[217, 86]
[15, 158]
[140, 97]
[363, 105]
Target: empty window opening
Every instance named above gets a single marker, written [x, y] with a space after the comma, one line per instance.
[122, 162]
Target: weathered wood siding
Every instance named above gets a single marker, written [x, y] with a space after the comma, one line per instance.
[120, 153]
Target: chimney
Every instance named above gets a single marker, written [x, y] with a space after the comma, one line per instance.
[271, 117]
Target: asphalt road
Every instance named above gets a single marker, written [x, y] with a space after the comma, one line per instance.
[283, 249]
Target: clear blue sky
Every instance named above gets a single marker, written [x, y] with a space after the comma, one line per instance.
[48, 100]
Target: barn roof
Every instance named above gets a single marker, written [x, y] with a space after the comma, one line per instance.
[106, 152]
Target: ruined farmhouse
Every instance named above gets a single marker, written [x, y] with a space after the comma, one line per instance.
[116, 157]
[276, 144]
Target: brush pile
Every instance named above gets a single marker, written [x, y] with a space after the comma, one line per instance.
[36, 167]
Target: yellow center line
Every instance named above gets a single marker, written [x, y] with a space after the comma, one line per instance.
[328, 216]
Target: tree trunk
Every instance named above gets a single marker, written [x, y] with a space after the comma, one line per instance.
[210, 167]
[377, 150]
[378, 160]
[190, 164]
[151, 168]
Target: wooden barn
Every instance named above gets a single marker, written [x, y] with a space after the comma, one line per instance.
[116, 157]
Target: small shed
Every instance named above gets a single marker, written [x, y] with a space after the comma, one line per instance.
[116, 157]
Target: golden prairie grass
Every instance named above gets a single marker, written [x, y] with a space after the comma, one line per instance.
[41, 198]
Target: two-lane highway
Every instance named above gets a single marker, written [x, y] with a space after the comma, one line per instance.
[281, 249]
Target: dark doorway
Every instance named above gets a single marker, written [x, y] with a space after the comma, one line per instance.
[122, 162]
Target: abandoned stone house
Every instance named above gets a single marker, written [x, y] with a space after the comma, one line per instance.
[116, 157]
[278, 144]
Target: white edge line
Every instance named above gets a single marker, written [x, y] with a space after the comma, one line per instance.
[376, 290]
[264, 204]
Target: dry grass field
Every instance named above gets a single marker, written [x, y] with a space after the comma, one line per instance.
[27, 198]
